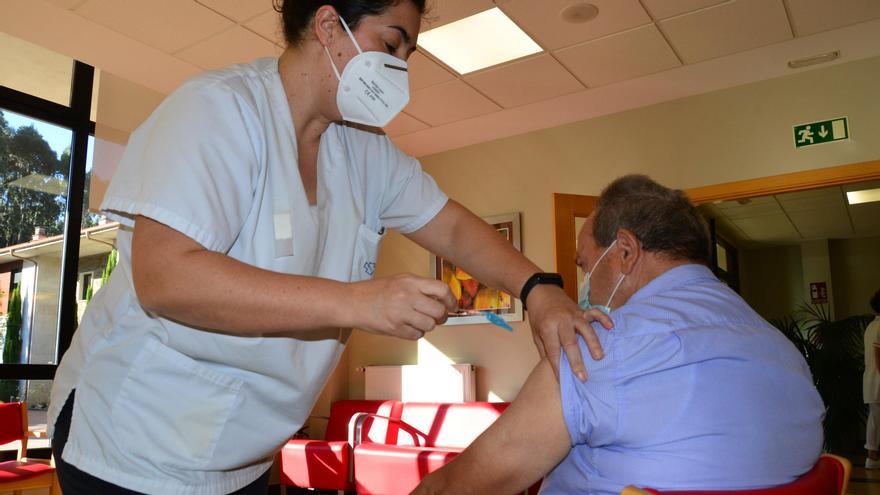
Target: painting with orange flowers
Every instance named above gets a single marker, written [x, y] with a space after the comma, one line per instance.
[474, 297]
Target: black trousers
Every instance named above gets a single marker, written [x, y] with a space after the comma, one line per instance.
[76, 482]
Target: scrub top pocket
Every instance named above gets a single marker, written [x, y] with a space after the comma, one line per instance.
[366, 250]
[173, 409]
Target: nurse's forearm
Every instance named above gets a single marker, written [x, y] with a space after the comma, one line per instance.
[177, 278]
[465, 239]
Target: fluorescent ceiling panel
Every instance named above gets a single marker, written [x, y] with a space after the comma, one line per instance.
[479, 41]
[864, 196]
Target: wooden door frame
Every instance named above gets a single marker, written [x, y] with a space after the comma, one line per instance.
[567, 207]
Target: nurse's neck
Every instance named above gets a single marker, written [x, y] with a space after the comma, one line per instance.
[310, 90]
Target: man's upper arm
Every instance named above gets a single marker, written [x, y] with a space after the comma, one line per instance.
[590, 408]
[525, 443]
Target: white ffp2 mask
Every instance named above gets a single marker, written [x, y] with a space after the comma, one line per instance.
[373, 87]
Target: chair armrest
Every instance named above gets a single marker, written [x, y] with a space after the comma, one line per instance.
[356, 428]
[632, 490]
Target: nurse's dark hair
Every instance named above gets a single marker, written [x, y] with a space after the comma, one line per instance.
[875, 302]
[664, 220]
[296, 15]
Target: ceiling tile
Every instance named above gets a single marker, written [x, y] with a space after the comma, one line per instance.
[235, 45]
[736, 203]
[446, 11]
[664, 9]
[824, 192]
[542, 20]
[527, 81]
[750, 210]
[814, 16]
[866, 218]
[822, 223]
[862, 185]
[424, 72]
[768, 228]
[448, 102]
[268, 25]
[626, 55]
[727, 28]
[816, 200]
[238, 10]
[404, 124]
[168, 25]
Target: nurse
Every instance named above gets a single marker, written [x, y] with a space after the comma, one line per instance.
[252, 217]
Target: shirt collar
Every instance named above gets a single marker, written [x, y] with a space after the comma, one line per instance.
[674, 277]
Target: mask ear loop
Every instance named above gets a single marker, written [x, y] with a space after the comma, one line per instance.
[617, 286]
[330, 57]
[600, 257]
[353, 40]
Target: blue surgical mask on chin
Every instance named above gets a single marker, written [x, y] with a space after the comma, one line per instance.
[584, 291]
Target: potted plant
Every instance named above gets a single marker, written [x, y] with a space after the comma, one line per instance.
[834, 351]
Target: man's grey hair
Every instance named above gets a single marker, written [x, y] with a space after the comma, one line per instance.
[664, 220]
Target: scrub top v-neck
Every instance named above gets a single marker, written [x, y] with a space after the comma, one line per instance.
[162, 407]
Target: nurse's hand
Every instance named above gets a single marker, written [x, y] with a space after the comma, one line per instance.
[556, 320]
[404, 306]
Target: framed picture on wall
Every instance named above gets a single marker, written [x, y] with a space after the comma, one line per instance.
[474, 297]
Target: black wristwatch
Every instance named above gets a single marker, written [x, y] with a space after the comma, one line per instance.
[536, 279]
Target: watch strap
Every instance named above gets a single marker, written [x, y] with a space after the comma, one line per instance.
[540, 278]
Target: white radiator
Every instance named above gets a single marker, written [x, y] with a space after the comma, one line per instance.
[421, 383]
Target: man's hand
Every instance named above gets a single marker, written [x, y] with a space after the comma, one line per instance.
[556, 320]
[404, 306]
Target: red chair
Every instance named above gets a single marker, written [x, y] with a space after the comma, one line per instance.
[830, 476]
[22, 473]
[327, 464]
[430, 435]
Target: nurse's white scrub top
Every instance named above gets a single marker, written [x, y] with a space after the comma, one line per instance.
[169, 409]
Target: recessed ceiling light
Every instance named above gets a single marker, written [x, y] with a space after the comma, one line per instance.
[479, 41]
[813, 60]
[863, 196]
[579, 13]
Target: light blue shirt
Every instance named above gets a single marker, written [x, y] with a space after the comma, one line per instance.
[696, 391]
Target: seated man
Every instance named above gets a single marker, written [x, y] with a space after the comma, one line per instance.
[696, 391]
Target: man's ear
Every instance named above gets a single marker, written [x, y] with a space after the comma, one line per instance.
[325, 24]
[630, 250]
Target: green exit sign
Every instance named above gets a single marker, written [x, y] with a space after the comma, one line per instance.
[824, 131]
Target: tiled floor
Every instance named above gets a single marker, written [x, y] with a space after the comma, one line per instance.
[863, 481]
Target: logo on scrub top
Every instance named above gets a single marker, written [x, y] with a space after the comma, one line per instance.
[369, 268]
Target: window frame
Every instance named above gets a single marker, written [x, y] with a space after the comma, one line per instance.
[77, 118]
[83, 285]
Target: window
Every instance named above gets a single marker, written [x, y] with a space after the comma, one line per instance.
[45, 125]
[721, 256]
[85, 283]
[727, 263]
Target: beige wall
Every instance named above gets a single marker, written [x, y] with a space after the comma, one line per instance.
[122, 107]
[735, 134]
[855, 269]
[772, 280]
